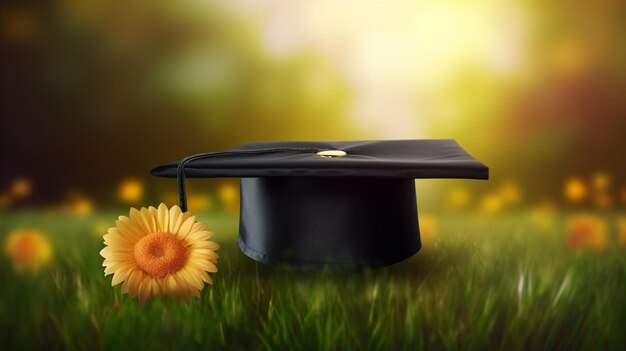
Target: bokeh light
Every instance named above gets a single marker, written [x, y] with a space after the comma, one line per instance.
[21, 188]
[228, 194]
[29, 249]
[459, 198]
[576, 191]
[587, 233]
[429, 229]
[97, 93]
[130, 191]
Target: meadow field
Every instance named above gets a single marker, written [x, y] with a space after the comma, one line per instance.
[508, 282]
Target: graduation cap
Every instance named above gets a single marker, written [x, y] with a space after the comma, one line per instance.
[344, 205]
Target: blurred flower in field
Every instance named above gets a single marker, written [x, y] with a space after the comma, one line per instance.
[29, 249]
[229, 196]
[510, 193]
[429, 228]
[621, 231]
[603, 200]
[100, 228]
[5, 200]
[601, 181]
[587, 232]
[197, 202]
[21, 188]
[491, 204]
[159, 252]
[130, 190]
[77, 204]
[459, 198]
[575, 190]
[83, 207]
[543, 216]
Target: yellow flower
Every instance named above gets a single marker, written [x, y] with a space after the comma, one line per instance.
[77, 204]
[587, 233]
[491, 204]
[575, 191]
[459, 198]
[159, 252]
[510, 193]
[130, 191]
[429, 228]
[199, 202]
[21, 188]
[5, 200]
[603, 200]
[83, 207]
[601, 181]
[29, 249]
[229, 196]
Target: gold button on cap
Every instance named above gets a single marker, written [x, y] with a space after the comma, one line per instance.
[331, 153]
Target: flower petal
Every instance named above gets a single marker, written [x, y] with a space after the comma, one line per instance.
[176, 219]
[186, 227]
[163, 218]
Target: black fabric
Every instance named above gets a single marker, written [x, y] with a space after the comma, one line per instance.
[343, 213]
[340, 224]
[437, 158]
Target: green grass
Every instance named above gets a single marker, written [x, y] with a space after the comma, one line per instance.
[496, 283]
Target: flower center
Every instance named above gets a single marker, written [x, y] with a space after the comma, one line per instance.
[159, 254]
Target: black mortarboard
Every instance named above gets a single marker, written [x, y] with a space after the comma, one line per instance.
[344, 205]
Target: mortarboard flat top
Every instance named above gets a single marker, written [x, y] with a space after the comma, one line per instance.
[435, 158]
[344, 205]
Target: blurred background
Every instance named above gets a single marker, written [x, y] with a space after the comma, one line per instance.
[96, 93]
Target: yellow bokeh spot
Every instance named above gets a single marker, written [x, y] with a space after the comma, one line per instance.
[21, 188]
[603, 200]
[575, 191]
[429, 228]
[491, 204]
[100, 228]
[510, 193]
[83, 207]
[130, 191]
[77, 204]
[5, 200]
[587, 233]
[459, 198]
[28, 249]
[601, 181]
[197, 202]
[228, 194]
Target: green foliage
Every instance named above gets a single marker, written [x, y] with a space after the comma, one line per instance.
[481, 284]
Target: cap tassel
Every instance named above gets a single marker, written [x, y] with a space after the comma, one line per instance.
[180, 171]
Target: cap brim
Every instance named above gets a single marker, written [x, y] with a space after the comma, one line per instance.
[430, 158]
